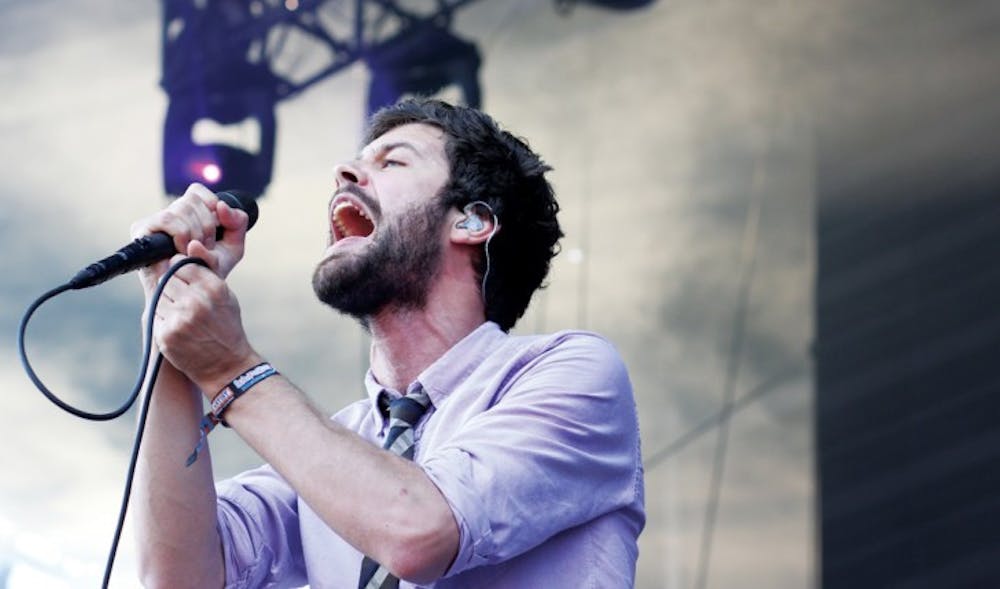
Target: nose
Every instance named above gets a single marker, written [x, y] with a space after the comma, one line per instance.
[349, 172]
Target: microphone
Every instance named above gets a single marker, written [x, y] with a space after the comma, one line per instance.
[153, 248]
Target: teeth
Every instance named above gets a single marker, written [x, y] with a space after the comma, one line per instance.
[346, 205]
[344, 219]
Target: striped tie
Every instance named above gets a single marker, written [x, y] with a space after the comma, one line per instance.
[404, 413]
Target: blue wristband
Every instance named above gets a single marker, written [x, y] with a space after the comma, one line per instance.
[232, 391]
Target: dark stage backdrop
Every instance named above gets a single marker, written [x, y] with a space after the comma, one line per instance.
[908, 331]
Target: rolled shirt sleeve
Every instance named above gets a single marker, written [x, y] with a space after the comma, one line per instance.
[259, 527]
[558, 447]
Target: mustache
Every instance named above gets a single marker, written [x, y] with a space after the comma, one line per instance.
[362, 196]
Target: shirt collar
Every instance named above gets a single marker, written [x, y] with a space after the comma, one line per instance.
[447, 372]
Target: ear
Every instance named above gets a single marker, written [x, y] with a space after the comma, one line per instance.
[471, 233]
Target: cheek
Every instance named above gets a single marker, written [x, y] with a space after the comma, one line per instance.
[448, 228]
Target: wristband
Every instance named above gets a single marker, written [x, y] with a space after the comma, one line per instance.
[237, 387]
[232, 391]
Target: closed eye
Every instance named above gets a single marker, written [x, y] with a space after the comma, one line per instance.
[388, 163]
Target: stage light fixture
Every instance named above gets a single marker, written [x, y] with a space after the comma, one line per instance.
[212, 84]
[219, 162]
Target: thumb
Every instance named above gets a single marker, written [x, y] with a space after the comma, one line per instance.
[233, 222]
[228, 251]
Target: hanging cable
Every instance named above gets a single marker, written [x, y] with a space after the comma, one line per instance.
[141, 426]
[583, 276]
[724, 414]
[748, 260]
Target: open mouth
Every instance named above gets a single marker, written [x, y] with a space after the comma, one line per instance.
[350, 220]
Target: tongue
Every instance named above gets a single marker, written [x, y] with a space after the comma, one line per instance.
[352, 223]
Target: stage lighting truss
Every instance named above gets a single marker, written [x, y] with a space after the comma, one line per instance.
[227, 63]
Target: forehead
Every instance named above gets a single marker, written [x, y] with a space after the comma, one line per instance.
[424, 140]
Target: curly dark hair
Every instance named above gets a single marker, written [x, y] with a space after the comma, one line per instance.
[491, 165]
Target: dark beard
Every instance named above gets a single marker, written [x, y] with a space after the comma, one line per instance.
[397, 269]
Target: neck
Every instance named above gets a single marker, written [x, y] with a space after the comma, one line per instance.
[406, 341]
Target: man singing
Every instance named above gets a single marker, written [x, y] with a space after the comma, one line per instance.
[476, 460]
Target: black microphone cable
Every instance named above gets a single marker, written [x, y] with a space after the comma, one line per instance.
[140, 428]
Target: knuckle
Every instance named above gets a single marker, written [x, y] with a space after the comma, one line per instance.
[179, 209]
[201, 193]
[168, 216]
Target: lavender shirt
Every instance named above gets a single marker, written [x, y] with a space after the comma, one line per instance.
[533, 441]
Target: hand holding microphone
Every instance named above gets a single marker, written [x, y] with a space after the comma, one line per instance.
[217, 222]
[198, 320]
[198, 325]
[209, 227]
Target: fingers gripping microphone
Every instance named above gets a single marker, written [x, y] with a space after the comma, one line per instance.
[153, 248]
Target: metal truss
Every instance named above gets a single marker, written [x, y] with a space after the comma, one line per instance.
[286, 45]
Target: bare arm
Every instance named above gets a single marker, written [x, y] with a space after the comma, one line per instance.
[354, 486]
[174, 507]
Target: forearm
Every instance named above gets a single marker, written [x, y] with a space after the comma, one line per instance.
[357, 488]
[175, 506]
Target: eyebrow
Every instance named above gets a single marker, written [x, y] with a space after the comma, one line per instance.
[386, 148]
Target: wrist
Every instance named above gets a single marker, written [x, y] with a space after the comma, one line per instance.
[233, 390]
[219, 379]
[237, 387]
